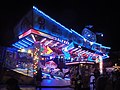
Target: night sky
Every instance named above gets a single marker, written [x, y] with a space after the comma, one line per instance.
[73, 14]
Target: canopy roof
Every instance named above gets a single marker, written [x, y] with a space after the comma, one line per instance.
[37, 26]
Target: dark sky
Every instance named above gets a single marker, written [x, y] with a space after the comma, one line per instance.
[75, 14]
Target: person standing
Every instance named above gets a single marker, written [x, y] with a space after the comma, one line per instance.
[12, 84]
[78, 82]
[92, 81]
[39, 75]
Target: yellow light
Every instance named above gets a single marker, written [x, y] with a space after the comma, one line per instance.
[49, 50]
[29, 51]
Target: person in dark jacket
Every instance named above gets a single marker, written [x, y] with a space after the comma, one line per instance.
[39, 75]
[12, 84]
[101, 82]
[78, 82]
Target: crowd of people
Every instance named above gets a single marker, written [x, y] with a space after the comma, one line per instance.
[97, 81]
[108, 81]
[80, 80]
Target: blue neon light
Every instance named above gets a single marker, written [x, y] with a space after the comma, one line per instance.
[16, 46]
[46, 74]
[57, 77]
[25, 41]
[19, 45]
[105, 47]
[66, 54]
[29, 40]
[77, 33]
[70, 46]
[67, 78]
[12, 49]
[90, 58]
[71, 31]
[51, 19]
[94, 43]
[54, 76]
[104, 57]
[23, 44]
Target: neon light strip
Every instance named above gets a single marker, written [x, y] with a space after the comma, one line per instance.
[61, 45]
[90, 41]
[41, 34]
[29, 40]
[48, 36]
[101, 65]
[105, 47]
[77, 33]
[22, 44]
[105, 56]
[19, 45]
[67, 78]
[35, 32]
[51, 19]
[48, 42]
[55, 76]
[25, 41]
[97, 44]
[43, 40]
[74, 49]
[79, 63]
[79, 50]
[16, 46]
[33, 37]
[25, 34]
[46, 74]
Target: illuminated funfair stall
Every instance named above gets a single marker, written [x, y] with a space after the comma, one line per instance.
[45, 43]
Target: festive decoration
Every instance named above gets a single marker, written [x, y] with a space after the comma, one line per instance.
[89, 35]
[51, 64]
[36, 55]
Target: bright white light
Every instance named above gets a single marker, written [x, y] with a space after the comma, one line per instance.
[88, 35]
[101, 35]
[22, 50]
[101, 65]
[91, 43]
[33, 37]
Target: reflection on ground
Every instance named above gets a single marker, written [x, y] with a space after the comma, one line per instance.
[33, 88]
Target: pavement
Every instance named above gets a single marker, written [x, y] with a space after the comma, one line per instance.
[56, 89]
[47, 84]
[33, 88]
[27, 87]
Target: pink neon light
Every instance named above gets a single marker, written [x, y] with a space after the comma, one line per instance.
[29, 32]
[35, 32]
[41, 34]
[78, 63]
[25, 34]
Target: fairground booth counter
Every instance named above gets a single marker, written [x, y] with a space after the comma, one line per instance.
[42, 42]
